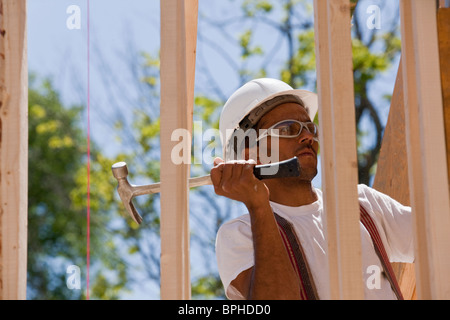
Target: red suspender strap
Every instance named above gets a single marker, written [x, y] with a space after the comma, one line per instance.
[300, 264]
[298, 259]
[368, 222]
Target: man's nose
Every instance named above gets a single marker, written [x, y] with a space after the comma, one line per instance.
[306, 137]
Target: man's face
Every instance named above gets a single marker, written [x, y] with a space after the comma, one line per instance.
[304, 146]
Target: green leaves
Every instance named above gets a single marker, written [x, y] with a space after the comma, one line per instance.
[207, 287]
[300, 69]
[253, 7]
[57, 202]
[247, 50]
[147, 129]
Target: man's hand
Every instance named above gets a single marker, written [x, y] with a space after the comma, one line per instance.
[235, 180]
[272, 276]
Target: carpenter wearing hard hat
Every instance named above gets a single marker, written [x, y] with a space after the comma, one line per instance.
[278, 250]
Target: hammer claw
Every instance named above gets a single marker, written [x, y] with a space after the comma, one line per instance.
[133, 212]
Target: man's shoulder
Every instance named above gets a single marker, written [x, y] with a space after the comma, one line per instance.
[378, 199]
[243, 220]
[364, 191]
[235, 230]
[364, 188]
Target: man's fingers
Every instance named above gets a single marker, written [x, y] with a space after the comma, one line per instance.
[217, 161]
[247, 170]
[216, 173]
[227, 176]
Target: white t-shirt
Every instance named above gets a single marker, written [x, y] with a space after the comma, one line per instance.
[234, 244]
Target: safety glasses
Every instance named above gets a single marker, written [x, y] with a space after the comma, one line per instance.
[290, 129]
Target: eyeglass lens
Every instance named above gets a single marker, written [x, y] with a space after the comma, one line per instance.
[293, 128]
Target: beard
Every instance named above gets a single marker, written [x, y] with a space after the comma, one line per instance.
[306, 176]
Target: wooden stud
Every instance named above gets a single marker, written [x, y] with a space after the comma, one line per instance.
[392, 167]
[326, 138]
[191, 20]
[13, 149]
[392, 174]
[177, 79]
[427, 167]
[444, 53]
[338, 146]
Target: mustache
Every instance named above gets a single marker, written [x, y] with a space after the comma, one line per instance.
[305, 147]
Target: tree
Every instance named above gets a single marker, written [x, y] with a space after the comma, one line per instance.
[57, 195]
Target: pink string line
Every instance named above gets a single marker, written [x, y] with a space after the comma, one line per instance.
[88, 160]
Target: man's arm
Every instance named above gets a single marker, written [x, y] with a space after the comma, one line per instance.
[272, 276]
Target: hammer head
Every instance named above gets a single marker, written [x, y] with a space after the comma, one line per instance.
[125, 190]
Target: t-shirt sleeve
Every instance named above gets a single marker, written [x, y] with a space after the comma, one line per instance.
[394, 223]
[234, 252]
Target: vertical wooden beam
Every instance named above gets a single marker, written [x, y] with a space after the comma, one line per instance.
[392, 166]
[191, 20]
[326, 138]
[13, 149]
[392, 174]
[427, 164]
[177, 85]
[338, 146]
[444, 54]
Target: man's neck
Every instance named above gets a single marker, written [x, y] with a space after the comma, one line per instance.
[292, 193]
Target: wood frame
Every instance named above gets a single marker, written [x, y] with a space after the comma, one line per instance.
[392, 174]
[427, 163]
[333, 51]
[444, 52]
[13, 149]
[428, 174]
[339, 167]
[178, 43]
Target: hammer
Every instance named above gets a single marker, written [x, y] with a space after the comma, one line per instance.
[127, 191]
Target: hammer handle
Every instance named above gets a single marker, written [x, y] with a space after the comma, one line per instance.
[156, 187]
[287, 168]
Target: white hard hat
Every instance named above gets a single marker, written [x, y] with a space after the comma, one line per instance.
[255, 98]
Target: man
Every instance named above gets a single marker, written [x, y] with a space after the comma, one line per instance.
[252, 257]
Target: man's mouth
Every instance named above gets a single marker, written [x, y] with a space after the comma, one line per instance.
[305, 153]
